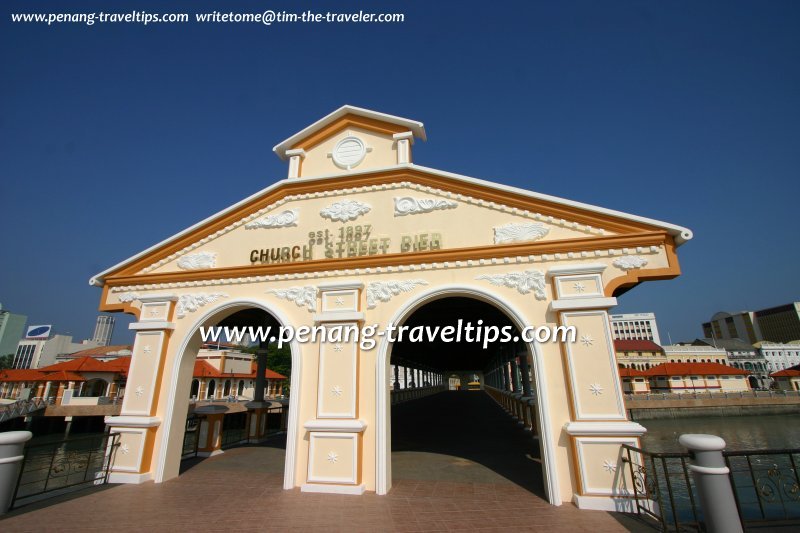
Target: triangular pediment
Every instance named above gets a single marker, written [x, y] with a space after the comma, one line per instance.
[402, 216]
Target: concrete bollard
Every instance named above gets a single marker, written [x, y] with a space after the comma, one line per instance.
[714, 488]
[12, 444]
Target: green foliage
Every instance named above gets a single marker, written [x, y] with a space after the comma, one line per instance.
[7, 360]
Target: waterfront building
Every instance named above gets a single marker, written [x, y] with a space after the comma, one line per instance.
[358, 234]
[682, 378]
[102, 353]
[37, 353]
[743, 356]
[638, 354]
[634, 381]
[779, 356]
[103, 330]
[635, 326]
[226, 372]
[787, 379]
[689, 353]
[775, 324]
[11, 327]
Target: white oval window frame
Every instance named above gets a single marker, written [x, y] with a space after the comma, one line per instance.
[335, 153]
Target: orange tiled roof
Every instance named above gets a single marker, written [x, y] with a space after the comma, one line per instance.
[80, 364]
[203, 369]
[631, 372]
[636, 346]
[787, 372]
[21, 374]
[702, 369]
[102, 350]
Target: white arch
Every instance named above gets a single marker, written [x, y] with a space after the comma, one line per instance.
[291, 432]
[383, 438]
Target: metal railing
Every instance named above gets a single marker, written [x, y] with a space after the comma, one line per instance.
[56, 467]
[704, 395]
[21, 408]
[765, 485]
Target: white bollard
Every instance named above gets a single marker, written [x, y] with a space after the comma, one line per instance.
[12, 444]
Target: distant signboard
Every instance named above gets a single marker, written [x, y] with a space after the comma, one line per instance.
[38, 332]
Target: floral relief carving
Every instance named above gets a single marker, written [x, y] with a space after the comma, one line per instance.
[383, 291]
[519, 232]
[629, 262]
[189, 303]
[198, 261]
[407, 205]
[524, 282]
[301, 296]
[345, 210]
[284, 219]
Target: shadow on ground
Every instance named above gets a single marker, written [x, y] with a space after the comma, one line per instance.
[463, 436]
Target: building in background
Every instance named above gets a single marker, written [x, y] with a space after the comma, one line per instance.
[638, 354]
[101, 353]
[103, 330]
[688, 353]
[779, 356]
[36, 352]
[787, 379]
[775, 324]
[11, 326]
[744, 356]
[635, 326]
[780, 324]
[680, 378]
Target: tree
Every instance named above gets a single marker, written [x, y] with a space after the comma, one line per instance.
[7, 361]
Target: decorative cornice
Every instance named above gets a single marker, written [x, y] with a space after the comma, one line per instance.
[301, 296]
[630, 262]
[345, 210]
[198, 260]
[514, 232]
[189, 303]
[461, 198]
[383, 291]
[406, 205]
[524, 282]
[283, 219]
[328, 272]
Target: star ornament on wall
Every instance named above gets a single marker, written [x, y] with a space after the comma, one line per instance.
[333, 457]
[139, 390]
[587, 340]
[336, 391]
[609, 466]
[147, 349]
[579, 287]
[596, 389]
[339, 301]
[337, 347]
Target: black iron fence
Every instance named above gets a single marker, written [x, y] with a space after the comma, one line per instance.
[64, 465]
[766, 486]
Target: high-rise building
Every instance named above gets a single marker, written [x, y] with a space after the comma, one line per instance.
[11, 327]
[635, 326]
[103, 330]
[775, 324]
[39, 352]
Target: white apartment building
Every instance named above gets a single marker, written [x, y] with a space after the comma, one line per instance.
[779, 356]
[635, 326]
[36, 353]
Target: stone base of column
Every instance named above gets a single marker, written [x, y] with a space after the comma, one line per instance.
[619, 504]
[355, 490]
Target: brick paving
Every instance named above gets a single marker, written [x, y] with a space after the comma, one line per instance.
[241, 490]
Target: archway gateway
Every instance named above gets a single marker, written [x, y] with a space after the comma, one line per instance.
[358, 236]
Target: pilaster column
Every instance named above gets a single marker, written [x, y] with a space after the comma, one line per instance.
[404, 141]
[137, 422]
[599, 423]
[335, 435]
[295, 161]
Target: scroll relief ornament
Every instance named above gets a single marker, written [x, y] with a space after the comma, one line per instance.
[189, 303]
[524, 282]
[630, 262]
[198, 261]
[383, 291]
[519, 232]
[407, 205]
[283, 219]
[345, 210]
[301, 296]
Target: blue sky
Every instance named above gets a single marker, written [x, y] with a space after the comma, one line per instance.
[682, 111]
